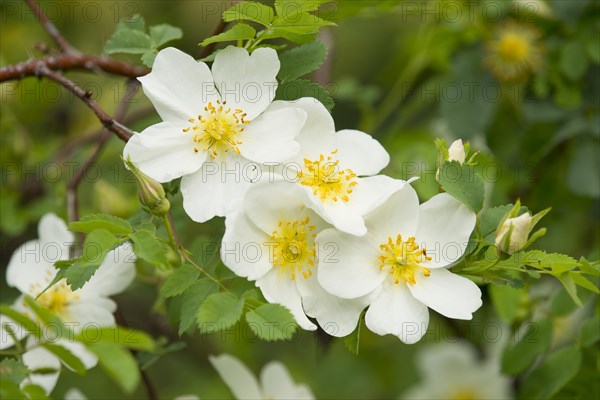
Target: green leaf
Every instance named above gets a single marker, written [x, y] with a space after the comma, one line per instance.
[126, 337]
[97, 245]
[147, 247]
[10, 390]
[27, 323]
[48, 318]
[352, 341]
[148, 58]
[237, 32]
[569, 284]
[219, 311]
[534, 342]
[291, 7]
[557, 263]
[136, 22]
[293, 90]
[193, 298]
[13, 370]
[79, 273]
[34, 392]
[292, 25]
[590, 331]
[506, 301]
[461, 181]
[179, 281]
[68, 358]
[163, 33]
[272, 322]
[301, 60]
[489, 219]
[573, 60]
[251, 11]
[91, 222]
[128, 41]
[558, 369]
[118, 363]
[582, 281]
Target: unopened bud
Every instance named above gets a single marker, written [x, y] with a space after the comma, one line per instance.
[512, 235]
[151, 193]
[456, 151]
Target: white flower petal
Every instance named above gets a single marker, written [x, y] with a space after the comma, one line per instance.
[238, 378]
[449, 294]
[397, 312]
[278, 287]
[75, 394]
[246, 81]
[267, 203]
[114, 275]
[91, 312]
[278, 384]
[398, 215]
[270, 137]
[244, 248]
[360, 152]
[337, 213]
[38, 358]
[178, 86]
[445, 225]
[211, 191]
[336, 316]
[348, 265]
[317, 134]
[164, 152]
[78, 349]
[53, 229]
[31, 269]
[6, 340]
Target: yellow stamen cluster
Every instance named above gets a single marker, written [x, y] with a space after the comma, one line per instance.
[326, 179]
[293, 247]
[512, 48]
[403, 259]
[56, 298]
[218, 129]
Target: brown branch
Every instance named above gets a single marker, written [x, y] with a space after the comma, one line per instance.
[64, 62]
[109, 123]
[72, 203]
[63, 44]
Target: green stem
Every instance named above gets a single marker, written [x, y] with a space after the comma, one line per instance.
[170, 232]
[203, 271]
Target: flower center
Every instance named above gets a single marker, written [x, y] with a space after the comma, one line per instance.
[326, 178]
[57, 297]
[465, 394]
[293, 247]
[403, 259]
[512, 48]
[218, 129]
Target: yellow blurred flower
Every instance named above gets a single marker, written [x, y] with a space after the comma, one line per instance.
[514, 53]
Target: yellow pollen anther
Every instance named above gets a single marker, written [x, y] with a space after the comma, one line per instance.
[513, 48]
[326, 179]
[218, 129]
[293, 248]
[56, 298]
[403, 259]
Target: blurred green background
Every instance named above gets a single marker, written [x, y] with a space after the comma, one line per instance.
[405, 72]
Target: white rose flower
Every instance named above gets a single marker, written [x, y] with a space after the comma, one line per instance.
[271, 240]
[405, 256]
[275, 380]
[335, 170]
[215, 125]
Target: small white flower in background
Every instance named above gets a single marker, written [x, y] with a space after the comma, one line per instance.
[456, 151]
[271, 240]
[452, 371]
[404, 258]
[335, 170]
[275, 380]
[31, 270]
[215, 125]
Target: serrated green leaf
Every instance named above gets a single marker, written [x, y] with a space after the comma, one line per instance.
[79, 273]
[13, 370]
[91, 222]
[192, 299]
[272, 322]
[582, 281]
[179, 281]
[118, 363]
[128, 41]
[506, 301]
[237, 32]
[556, 371]
[163, 33]
[293, 90]
[461, 181]
[292, 25]
[148, 58]
[219, 311]
[250, 11]
[148, 248]
[567, 280]
[533, 342]
[66, 356]
[127, 337]
[136, 22]
[301, 60]
[291, 7]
